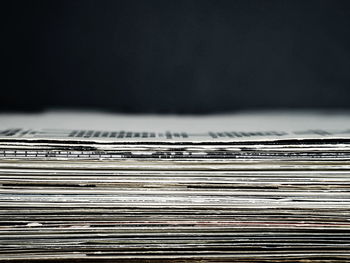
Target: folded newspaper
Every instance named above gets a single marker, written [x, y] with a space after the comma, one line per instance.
[244, 187]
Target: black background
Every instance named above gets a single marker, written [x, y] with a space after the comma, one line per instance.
[175, 56]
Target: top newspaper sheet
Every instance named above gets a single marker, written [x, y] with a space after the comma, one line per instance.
[125, 128]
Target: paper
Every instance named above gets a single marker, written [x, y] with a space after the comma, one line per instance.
[246, 187]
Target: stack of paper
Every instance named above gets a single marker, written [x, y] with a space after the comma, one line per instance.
[242, 187]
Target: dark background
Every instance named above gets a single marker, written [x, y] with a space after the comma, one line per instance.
[175, 56]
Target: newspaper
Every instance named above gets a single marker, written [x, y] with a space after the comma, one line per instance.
[244, 187]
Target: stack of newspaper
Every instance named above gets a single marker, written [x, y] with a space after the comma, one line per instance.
[245, 187]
